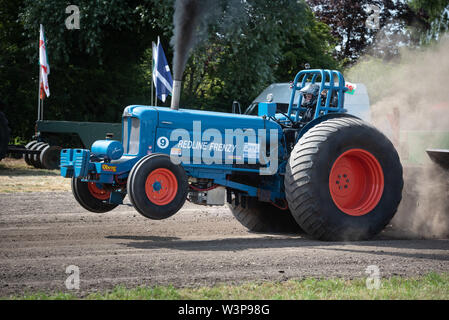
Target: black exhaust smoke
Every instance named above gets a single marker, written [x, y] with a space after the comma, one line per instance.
[189, 21]
[187, 16]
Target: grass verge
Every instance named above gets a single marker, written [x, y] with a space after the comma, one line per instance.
[17, 176]
[430, 287]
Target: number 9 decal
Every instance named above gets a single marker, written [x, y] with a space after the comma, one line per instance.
[162, 142]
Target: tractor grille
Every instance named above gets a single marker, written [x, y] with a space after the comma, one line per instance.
[131, 135]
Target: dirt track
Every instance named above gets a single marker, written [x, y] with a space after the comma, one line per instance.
[43, 233]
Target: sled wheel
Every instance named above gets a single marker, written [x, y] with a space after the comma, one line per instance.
[27, 156]
[37, 157]
[91, 196]
[260, 216]
[343, 180]
[157, 188]
[50, 157]
[34, 158]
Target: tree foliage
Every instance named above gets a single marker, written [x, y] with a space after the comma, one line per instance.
[268, 41]
[436, 15]
[95, 71]
[348, 22]
[106, 64]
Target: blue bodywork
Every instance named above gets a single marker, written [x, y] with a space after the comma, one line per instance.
[192, 137]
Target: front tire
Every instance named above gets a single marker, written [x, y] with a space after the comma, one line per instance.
[343, 180]
[91, 196]
[157, 188]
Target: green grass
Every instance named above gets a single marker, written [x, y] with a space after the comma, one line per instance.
[18, 167]
[17, 176]
[430, 287]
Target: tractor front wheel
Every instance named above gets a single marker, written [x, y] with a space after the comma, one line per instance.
[343, 180]
[92, 196]
[157, 188]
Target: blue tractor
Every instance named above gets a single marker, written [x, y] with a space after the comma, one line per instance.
[309, 167]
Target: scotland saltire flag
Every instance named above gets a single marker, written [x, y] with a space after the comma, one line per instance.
[162, 78]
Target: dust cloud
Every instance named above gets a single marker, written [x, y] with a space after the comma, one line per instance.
[410, 104]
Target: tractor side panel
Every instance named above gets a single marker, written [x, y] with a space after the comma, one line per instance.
[212, 137]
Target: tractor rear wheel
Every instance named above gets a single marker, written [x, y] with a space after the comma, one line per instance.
[157, 188]
[91, 196]
[4, 135]
[343, 180]
[260, 216]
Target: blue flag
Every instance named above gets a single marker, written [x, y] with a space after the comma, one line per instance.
[162, 78]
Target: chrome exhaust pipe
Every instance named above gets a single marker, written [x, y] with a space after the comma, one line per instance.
[177, 85]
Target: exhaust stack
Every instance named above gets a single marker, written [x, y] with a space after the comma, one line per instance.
[177, 84]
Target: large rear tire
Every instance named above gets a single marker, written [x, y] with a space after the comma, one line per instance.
[259, 216]
[4, 135]
[157, 188]
[343, 180]
[91, 196]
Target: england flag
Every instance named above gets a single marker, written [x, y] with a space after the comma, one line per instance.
[44, 66]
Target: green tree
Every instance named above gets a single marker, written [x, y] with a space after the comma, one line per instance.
[314, 45]
[105, 65]
[95, 71]
[18, 84]
[436, 14]
[348, 22]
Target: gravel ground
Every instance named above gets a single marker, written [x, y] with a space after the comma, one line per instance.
[41, 234]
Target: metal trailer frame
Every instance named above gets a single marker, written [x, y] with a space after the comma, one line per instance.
[51, 132]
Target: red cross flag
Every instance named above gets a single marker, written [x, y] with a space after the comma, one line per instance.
[44, 66]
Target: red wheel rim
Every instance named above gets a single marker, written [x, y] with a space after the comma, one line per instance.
[161, 186]
[356, 182]
[100, 194]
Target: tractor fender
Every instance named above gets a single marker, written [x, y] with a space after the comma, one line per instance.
[323, 118]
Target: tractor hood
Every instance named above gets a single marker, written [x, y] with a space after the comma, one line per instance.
[184, 118]
[195, 132]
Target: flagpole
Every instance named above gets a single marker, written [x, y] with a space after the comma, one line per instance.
[157, 65]
[39, 96]
[39, 83]
[152, 71]
[42, 110]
